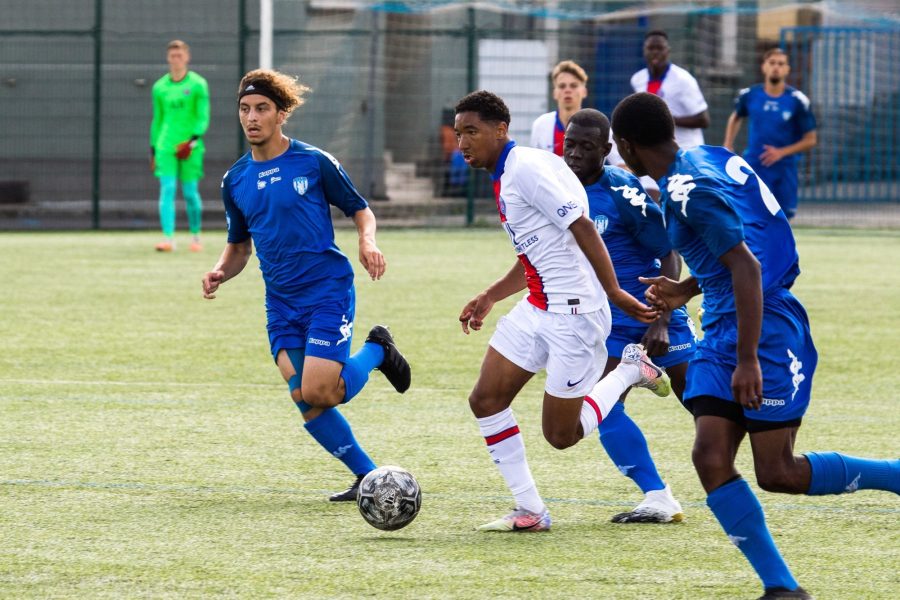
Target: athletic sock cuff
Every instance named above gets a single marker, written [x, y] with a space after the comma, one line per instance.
[325, 420]
[497, 422]
[733, 502]
[614, 418]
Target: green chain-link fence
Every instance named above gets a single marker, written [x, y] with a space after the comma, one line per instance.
[75, 80]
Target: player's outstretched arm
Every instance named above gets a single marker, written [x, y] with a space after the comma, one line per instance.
[666, 294]
[594, 249]
[233, 260]
[370, 256]
[476, 309]
[746, 280]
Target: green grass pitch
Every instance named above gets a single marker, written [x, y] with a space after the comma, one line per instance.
[149, 449]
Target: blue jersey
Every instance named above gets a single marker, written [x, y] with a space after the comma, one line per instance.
[778, 122]
[713, 201]
[633, 230]
[283, 204]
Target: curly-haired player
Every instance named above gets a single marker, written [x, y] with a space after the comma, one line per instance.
[277, 198]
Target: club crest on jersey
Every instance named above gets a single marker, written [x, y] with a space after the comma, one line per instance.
[601, 222]
[301, 184]
[786, 115]
[187, 92]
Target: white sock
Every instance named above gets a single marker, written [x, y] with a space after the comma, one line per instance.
[507, 450]
[591, 415]
[605, 395]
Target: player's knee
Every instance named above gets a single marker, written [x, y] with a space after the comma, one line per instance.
[779, 479]
[710, 460]
[560, 440]
[772, 481]
[296, 395]
[559, 437]
[482, 404]
[320, 395]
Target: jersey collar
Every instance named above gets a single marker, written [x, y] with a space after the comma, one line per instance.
[661, 77]
[559, 124]
[501, 162]
[671, 170]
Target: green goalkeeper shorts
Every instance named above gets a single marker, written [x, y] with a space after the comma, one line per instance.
[189, 169]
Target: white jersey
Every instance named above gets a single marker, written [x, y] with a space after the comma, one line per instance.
[682, 94]
[547, 133]
[538, 198]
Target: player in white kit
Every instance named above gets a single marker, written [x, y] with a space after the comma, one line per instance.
[569, 82]
[562, 323]
[678, 89]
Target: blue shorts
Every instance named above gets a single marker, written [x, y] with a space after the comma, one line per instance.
[781, 181]
[682, 339]
[787, 357]
[324, 330]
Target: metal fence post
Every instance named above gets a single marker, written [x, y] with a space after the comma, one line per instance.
[242, 62]
[371, 107]
[471, 37]
[98, 73]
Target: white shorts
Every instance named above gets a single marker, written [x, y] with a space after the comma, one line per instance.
[571, 347]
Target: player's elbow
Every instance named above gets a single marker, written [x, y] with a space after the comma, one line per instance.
[703, 120]
[245, 250]
[747, 272]
[812, 140]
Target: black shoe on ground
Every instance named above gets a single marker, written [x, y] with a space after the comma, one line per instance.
[394, 366]
[780, 593]
[348, 495]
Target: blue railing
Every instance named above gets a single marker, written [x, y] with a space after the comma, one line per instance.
[850, 74]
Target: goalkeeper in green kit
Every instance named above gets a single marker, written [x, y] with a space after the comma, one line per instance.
[180, 118]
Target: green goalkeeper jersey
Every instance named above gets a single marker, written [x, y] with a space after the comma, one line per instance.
[180, 111]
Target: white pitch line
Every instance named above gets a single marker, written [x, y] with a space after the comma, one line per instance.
[138, 383]
[228, 489]
[203, 384]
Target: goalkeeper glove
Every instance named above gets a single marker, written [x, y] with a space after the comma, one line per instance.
[183, 150]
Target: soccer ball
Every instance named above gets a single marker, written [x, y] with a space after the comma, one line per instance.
[389, 498]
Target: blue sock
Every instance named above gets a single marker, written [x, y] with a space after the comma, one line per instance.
[741, 516]
[333, 433]
[193, 206]
[357, 368]
[626, 446]
[833, 473]
[167, 188]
